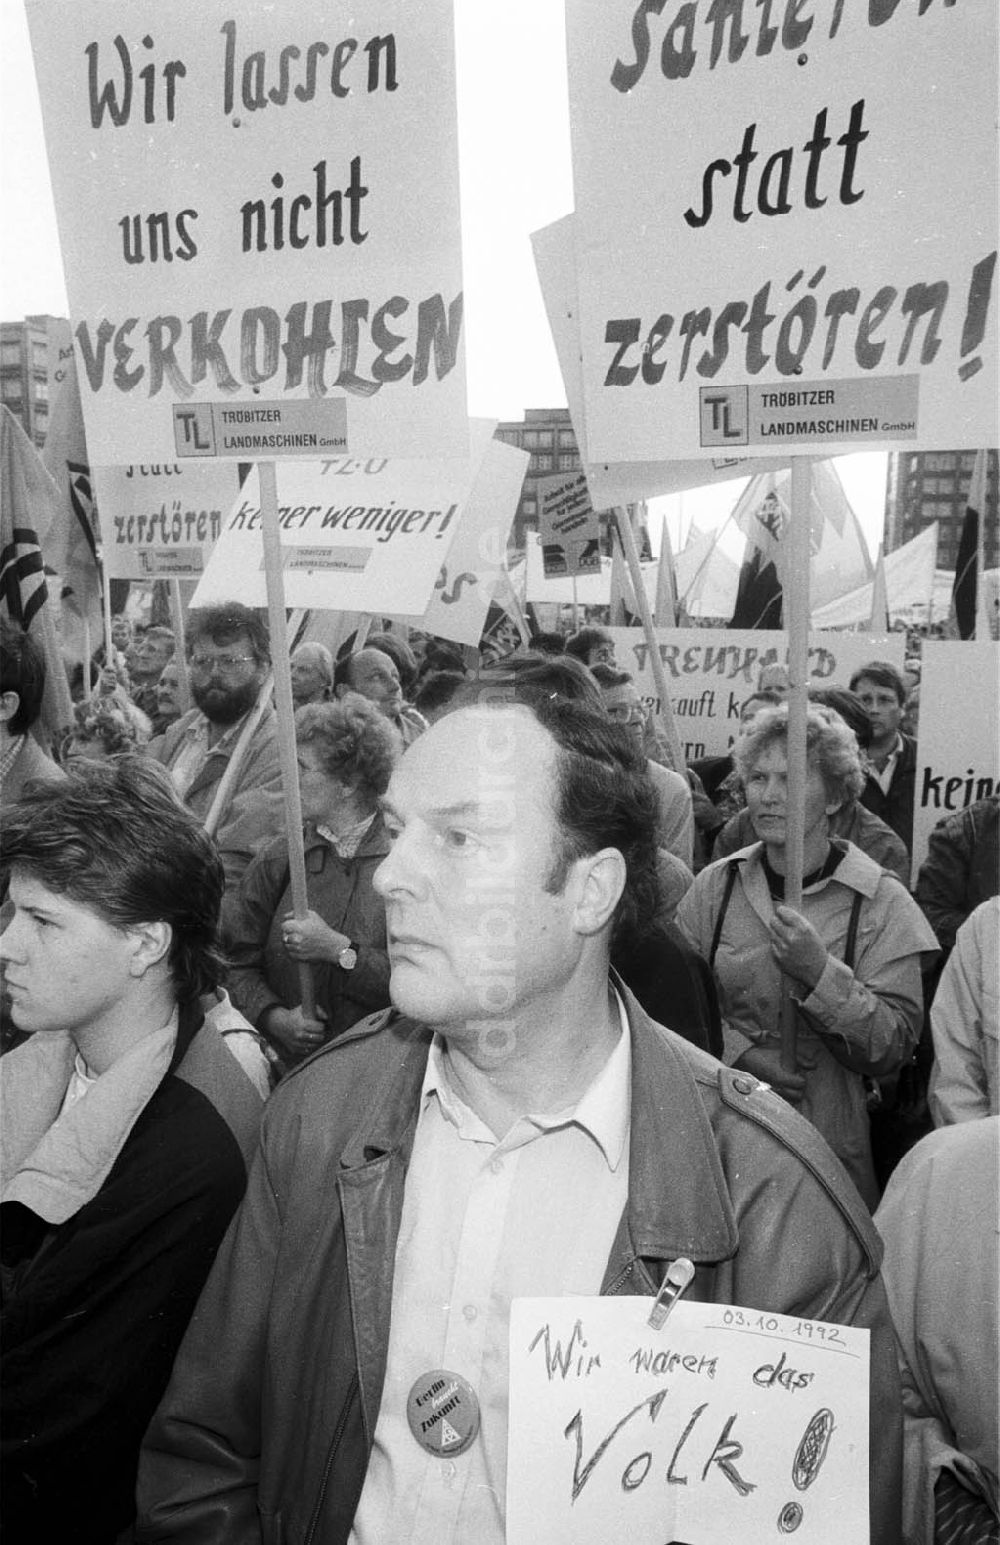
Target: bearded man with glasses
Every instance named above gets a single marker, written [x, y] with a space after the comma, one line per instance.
[229, 657]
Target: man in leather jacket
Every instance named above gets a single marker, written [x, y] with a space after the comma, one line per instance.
[516, 1125]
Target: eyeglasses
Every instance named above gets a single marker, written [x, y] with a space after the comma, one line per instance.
[227, 663]
[625, 713]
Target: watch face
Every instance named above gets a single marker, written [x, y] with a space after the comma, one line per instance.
[348, 958]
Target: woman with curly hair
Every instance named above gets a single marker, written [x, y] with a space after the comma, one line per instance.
[103, 728]
[852, 952]
[346, 752]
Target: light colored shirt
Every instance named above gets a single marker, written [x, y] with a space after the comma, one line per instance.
[194, 748]
[485, 1222]
[81, 1080]
[883, 775]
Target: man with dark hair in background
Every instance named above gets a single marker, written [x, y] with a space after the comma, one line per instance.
[127, 1129]
[22, 685]
[892, 756]
[515, 1126]
[229, 658]
[592, 646]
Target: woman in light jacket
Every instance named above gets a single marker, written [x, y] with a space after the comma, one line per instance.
[851, 954]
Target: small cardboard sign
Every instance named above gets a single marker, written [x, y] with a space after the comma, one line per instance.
[726, 1424]
[568, 525]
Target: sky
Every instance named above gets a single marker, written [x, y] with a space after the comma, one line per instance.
[516, 176]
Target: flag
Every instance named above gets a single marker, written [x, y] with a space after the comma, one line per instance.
[28, 500]
[506, 627]
[910, 587]
[71, 542]
[763, 518]
[666, 583]
[624, 612]
[968, 610]
[878, 622]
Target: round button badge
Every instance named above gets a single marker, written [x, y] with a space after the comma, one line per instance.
[442, 1409]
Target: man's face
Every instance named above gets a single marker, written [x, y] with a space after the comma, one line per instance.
[375, 676]
[310, 683]
[121, 633]
[64, 967]
[475, 938]
[225, 678]
[151, 655]
[602, 654]
[883, 708]
[624, 705]
[167, 691]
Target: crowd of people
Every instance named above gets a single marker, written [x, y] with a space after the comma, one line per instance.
[546, 1025]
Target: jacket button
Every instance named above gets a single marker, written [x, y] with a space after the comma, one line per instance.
[744, 1085]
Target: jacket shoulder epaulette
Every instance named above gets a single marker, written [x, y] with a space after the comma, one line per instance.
[742, 1092]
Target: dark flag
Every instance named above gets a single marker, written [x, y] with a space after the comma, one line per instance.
[968, 564]
[763, 517]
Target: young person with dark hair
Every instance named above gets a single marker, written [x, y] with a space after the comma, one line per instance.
[127, 1130]
[891, 773]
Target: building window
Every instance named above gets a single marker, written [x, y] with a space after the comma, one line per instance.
[10, 353]
[41, 391]
[39, 354]
[568, 438]
[536, 438]
[529, 506]
[939, 463]
[539, 464]
[568, 460]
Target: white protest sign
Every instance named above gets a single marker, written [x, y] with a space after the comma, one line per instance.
[711, 672]
[361, 535]
[623, 481]
[725, 1425]
[568, 526]
[259, 219]
[162, 521]
[958, 744]
[778, 245]
[474, 568]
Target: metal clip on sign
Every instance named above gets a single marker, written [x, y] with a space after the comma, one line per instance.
[679, 1277]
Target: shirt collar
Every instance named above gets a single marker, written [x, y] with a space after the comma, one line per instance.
[349, 841]
[603, 1110]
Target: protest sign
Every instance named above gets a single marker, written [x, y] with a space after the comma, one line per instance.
[816, 271]
[259, 220]
[711, 671]
[725, 1424]
[162, 521]
[623, 481]
[958, 743]
[362, 535]
[474, 571]
[568, 526]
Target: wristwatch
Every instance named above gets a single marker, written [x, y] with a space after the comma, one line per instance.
[348, 957]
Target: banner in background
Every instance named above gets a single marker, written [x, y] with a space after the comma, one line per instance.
[958, 744]
[817, 271]
[711, 672]
[474, 574]
[361, 535]
[162, 521]
[258, 213]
